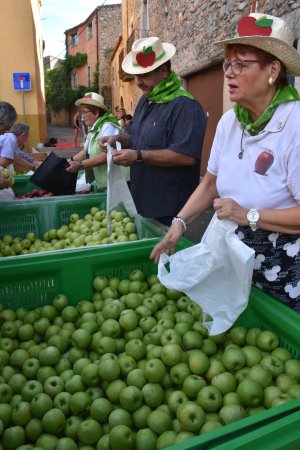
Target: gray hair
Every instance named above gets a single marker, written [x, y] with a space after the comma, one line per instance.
[20, 128]
[8, 115]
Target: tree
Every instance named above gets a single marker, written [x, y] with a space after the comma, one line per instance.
[59, 92]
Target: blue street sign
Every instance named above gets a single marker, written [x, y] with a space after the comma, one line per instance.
[21, 81]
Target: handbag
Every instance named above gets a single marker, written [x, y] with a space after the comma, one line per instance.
[52, 176]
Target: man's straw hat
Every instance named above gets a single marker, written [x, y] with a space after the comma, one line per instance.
[268, 33]
[146, 55]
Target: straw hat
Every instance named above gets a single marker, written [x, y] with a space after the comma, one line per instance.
[92, 98]
[146, 55]
[268, 33]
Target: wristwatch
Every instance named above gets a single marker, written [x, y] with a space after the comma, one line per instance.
[81, 166]
[253, 218]
[139, 158]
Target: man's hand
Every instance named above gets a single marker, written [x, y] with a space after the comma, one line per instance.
[111, 140]
[168, 244]
[125, 157]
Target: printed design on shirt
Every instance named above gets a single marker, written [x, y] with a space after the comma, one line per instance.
[272, 274]
[264, 162]
[292, 248]
[293, 292]
[273, 238]
[258, 260]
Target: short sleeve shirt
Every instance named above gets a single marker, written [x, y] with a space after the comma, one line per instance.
[178, 125]
[8, 145]
[267, 177]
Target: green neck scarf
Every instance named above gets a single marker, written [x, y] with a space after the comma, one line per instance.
[168, 89]
[107, 117]
[285, 94]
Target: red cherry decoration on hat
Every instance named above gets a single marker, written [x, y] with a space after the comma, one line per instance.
[249, 26]
[146, 58]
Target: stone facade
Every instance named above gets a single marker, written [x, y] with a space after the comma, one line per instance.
[109, 30]
[192, 26]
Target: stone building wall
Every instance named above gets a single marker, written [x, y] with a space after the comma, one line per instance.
[195, 25]
[109, 26]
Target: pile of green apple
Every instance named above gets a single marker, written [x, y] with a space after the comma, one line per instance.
[133, 368]
[92, 229]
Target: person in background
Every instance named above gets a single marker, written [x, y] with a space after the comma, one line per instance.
[163, 144]
[77, 126]
[253, 170]
[121, 116]
[127, 120]
[8, 116]
[100, 122]
[22, 160]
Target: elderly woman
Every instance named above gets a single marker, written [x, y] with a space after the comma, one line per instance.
[100, 123]
[253, 170]
[23, 162]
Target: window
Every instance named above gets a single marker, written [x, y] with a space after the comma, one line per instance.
[89, 76]
[74, 39]
[74, 81]
[90, 30]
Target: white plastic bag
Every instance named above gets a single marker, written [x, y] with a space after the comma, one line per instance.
[7, 195]
[216, 274]
[81, 184]
[117, 188]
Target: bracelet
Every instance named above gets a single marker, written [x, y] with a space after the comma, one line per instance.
[181, 220]
[81, 166]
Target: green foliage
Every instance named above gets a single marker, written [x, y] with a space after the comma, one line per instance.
[95, 85]
[59, 92]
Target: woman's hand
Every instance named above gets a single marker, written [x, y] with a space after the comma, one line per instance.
[73, 167]
[111, 140]
[226, 208]
[168, 243]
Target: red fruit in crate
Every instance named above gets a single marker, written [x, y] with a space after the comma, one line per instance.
[146, 58]
[249, 26]
[264, 162]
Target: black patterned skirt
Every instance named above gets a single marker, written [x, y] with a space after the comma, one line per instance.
[277, 263]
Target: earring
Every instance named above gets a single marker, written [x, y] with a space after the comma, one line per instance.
[270, 82]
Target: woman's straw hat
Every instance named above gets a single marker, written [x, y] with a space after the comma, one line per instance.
[92, 98]
[268, 33]
[146, 55]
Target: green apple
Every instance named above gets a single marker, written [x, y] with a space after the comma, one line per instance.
[233, 358]
[30, 389]
[261, 375]
[209, 398]
[171, 354]
[267, 340]
[121, 436]
[232, 413]
[253, 355]
[89, 431]
[80, 403]
[53, 421]
[119, 416]
[176, 399]
[145, 439]
[40, 404]
[270, 393]
[198, 361]
[292, 368]
[153, 394]
[275, 365]
[100, 409]
[131, 398]
[13, 437]
[250, 393]
[21, 413]
[53, 386]
[285, 381]
[191, 417]
[159, 421]
[225, 382]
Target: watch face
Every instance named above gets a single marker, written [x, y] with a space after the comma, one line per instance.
[253, 215]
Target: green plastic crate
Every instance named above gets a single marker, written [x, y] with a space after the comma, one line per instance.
[36, 282]
[23, 185]
[39, 215]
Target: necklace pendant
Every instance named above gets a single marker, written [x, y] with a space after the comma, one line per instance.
[240, 155]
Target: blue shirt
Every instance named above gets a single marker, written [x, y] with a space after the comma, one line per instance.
[178, 125]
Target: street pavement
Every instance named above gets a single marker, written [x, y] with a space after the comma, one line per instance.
[195, 230]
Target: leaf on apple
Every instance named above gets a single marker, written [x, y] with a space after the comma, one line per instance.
[249, 26]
